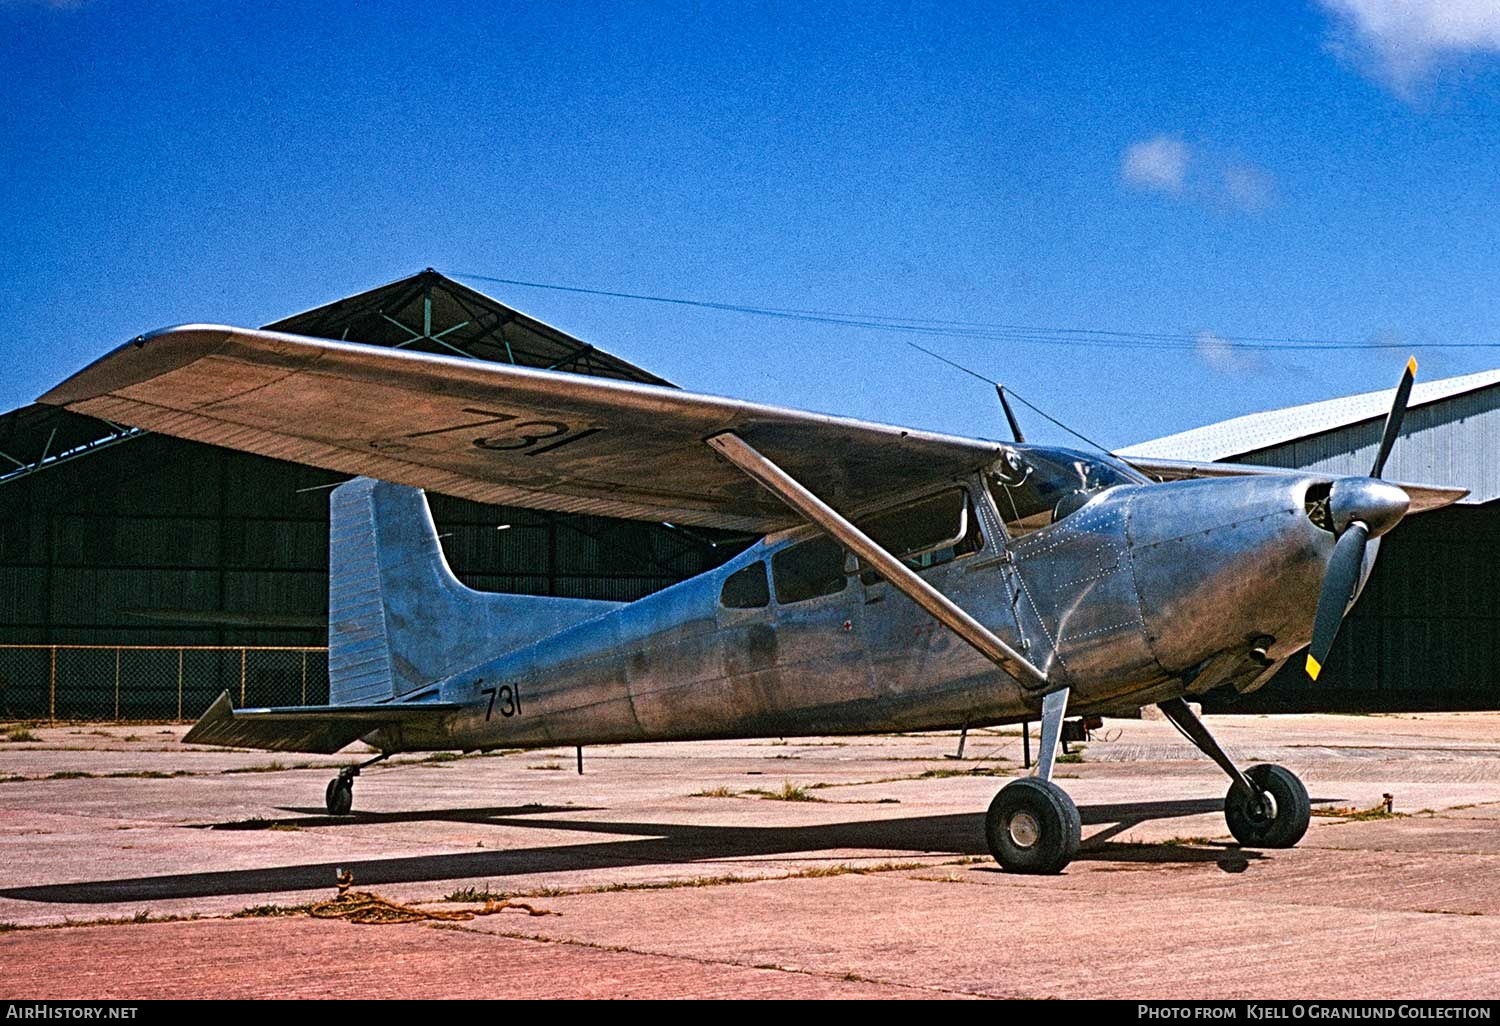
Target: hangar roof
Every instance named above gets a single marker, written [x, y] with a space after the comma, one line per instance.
[425, 312]
[1451, 436]
[429, 313]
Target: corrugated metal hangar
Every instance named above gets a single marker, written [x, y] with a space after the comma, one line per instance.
[114, 537]
[1423, 634]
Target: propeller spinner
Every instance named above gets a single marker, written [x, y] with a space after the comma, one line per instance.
[1362, 508]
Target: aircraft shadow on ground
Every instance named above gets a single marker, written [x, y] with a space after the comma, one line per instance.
[640, 844]
[311, 817]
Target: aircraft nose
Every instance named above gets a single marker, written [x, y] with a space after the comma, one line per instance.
[1374, 503]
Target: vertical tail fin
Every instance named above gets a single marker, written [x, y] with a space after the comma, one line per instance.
[398, 619]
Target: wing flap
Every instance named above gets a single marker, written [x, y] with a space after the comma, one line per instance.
[497, 433]
[319, 729]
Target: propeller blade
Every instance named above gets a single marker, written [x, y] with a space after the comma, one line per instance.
[1338, 590]
[1394, 418]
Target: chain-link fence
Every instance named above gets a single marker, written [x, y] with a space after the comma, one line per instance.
[154, 682]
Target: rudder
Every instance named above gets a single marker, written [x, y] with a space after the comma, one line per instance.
[398, 619]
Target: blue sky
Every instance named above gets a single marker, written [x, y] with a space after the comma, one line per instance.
[1326, 169]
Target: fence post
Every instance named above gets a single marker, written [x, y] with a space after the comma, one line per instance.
[242, 678]
[179, 685]
[52, 688]
[304, 677]
[117, 683]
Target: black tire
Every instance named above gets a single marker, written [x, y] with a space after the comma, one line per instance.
[1033, 827]
[339, 798]
[1280, 824]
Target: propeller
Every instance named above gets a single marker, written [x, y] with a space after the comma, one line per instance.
[1394, 418]
[1362, 508]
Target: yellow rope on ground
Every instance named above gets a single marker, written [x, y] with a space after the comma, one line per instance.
[372, 910]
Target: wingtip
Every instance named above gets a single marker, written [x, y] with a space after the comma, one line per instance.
[141, 359]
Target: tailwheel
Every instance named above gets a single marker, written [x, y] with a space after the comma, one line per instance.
[339, 798]
[1033, 827]
[1275, 818]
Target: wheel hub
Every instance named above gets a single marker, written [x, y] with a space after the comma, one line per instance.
[1024, 829]
[1263, 807]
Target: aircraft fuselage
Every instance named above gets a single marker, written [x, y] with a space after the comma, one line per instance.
[1146, 592]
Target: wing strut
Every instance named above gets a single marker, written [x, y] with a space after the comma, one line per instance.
[781, 484]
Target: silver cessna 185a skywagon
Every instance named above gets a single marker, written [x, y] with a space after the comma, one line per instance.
[904, 580]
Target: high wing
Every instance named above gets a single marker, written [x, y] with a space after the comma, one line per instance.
[1424, 498]
[497, 433]
[524, 437]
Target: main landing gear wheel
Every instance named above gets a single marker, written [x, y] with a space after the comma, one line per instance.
[1278, 818]
[339, 798]
[1033, 827]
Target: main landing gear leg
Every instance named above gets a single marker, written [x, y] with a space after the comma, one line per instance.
[1032, 825]
[339, 798]
[1267, 806]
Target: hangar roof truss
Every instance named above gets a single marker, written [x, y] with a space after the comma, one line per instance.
[426, 312]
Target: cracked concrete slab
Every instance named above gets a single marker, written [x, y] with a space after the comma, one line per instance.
[684, 871]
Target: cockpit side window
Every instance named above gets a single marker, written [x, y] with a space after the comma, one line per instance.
[930, 531]
[1033, 488]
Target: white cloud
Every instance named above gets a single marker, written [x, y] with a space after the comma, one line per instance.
[1401, 41]
[1248, 187]
[1166, 164]
[1221, 356]
[1159, 163]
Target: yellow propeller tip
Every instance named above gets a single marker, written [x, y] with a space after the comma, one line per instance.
[1313, 667]
[1411, 366]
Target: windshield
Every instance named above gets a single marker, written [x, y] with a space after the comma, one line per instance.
[1036, 487]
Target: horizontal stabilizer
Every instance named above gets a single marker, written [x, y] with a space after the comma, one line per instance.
[305, 728]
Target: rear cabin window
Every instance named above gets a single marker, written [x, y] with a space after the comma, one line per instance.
[925, 533]
[746, 588]
[809, 570]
